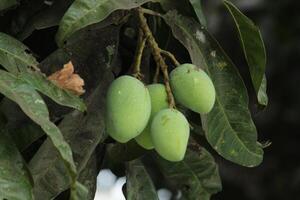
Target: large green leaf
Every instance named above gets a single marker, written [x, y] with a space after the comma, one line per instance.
[196, 176]
[254, 50]
[4, 4]
[119, 152]
[229, 128]
[34, 107]
[14, 55]
[15, 181]
[83, 131]
[183, 7]
[21, 128]
[41, 17]
[25, 135]
[85, 12]
[197, 5]
[88, 176]
[42, 84]
[139, 185]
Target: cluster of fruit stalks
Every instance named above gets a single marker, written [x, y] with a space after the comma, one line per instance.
[148, 113]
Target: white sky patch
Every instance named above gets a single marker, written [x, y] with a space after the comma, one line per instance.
[200, 36]
[164, 194]
[109, 187]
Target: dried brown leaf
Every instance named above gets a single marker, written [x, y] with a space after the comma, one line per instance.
[66, 79]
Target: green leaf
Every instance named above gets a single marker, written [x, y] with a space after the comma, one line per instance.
[78, 192]
[83, 132]
[86, 12]
[183, 7]
[139, 185]
[88, 176]
[34, 107]
[196, 176]
[21, 128]
[262, 92]
[15, 181]
[25, 135]
[197, 5]
[4, 4]
[119, 152]
[60, 96]
[14, 55]
[44, 18]
[254, 50]
[228, 127]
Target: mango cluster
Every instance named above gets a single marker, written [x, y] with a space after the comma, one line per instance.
[134, 111]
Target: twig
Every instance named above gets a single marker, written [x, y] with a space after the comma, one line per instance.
[166, 53]
[155, 78]
[150, 12]
[171, 56]
[157, 56]
[138, 55]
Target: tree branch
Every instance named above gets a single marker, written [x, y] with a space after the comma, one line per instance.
[156, 52]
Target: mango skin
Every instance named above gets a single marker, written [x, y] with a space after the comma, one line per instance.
[193, 88]
[159, 101]
[128, 108]
[170, 133]
[144, 139]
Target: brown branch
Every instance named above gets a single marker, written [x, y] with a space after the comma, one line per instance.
[157, 56]
[155, 78]
[171, 56]
[136, 66]
[150, 12]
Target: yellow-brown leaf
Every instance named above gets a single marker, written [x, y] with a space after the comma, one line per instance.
[66, 79]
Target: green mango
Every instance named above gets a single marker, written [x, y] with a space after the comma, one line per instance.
[159, 98]
[159, 101]
[170, 133]
[193, 88]
[128, 108]
[144, 139]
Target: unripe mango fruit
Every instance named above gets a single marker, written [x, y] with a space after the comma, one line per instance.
[193, 88]
[128, 108]
[159, 101]
[170, 133]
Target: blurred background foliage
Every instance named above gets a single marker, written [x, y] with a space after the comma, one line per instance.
[278, 177]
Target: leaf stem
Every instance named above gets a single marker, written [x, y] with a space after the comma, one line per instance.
[150, 12]
[156, 52]
[138, 55]
[171, 56]
[155, 78]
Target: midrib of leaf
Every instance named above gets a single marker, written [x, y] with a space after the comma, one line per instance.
[14, 55]
[222, 133]
[221, 105]
[193, 174]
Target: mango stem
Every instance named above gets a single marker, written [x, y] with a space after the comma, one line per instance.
[136, 66]
[156, 52]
